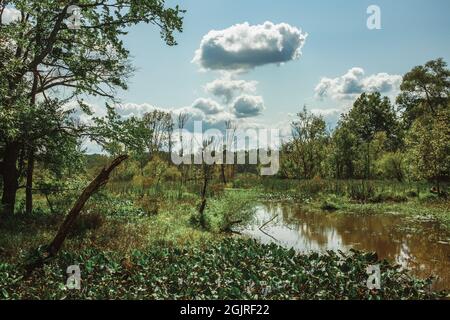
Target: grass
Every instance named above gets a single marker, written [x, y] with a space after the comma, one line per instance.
[111, 223]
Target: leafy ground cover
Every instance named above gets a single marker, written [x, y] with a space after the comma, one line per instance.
[218, 269]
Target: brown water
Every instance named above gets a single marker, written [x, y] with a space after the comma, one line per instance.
[422, 247]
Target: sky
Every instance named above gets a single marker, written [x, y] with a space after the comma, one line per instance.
[269, 58]
[259, 62]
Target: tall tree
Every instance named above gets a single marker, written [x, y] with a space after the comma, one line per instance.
[428, 143]
[424, 90]
[40, 54]
[307, 147]
[344, 152]
[369, 115]
[158, 126]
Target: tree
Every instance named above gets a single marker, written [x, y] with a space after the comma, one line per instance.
[158, 126]
[182, 120]
[428, 145]
[424, 90]
[306, 150]
[227, 152]
[39, 54]
[391, 166]
[53, 248]
[344, 152]
[369, 115]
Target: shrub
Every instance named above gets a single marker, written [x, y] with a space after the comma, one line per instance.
[361, 192]
[330, 204]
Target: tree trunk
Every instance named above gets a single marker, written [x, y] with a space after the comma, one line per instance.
[66, 227]
[10, 178]
[368, 161]
[29, 185]
[203, 195]
[98, 182]
[222, 172]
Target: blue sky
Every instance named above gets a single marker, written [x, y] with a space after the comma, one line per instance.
[412, 33]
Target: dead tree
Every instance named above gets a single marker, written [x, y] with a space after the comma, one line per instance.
[207, 170]
[99, 181]
[183, 118]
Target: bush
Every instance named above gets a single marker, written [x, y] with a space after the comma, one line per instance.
[230, 208]
[150, 204]
[330, 204]
[361, 192]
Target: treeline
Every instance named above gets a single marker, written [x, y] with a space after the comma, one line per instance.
[378, 139]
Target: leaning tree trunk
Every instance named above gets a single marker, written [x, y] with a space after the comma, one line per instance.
[66, 227]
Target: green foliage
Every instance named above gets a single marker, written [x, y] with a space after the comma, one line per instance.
[425, 90]
[114, 206]
[43, 55]
[361, 192]
[331, 203]
[428, 145]
[233, 207]
[227, 269]
[303, 156]
[391, 166]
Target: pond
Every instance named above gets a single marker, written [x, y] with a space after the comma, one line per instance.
[420, 246]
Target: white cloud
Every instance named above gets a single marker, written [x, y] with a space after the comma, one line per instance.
[245, 46]
[247, 106]
[9, 15]
[354, 82]
[227, 88]
[128, 110]
[208, 106]
[330, 116]
[382, 82]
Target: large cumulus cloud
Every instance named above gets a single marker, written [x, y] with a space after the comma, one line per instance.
[247, 106]
[354, 82]
[244, 46]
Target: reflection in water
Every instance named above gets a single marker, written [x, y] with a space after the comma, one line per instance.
[421, 247]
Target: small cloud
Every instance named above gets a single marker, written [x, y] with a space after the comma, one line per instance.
[227, 88]
[247, 106]
[354, 82]
[330, 116]
[208, 106]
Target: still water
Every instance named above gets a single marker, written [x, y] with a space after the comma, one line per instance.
[422, 247]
